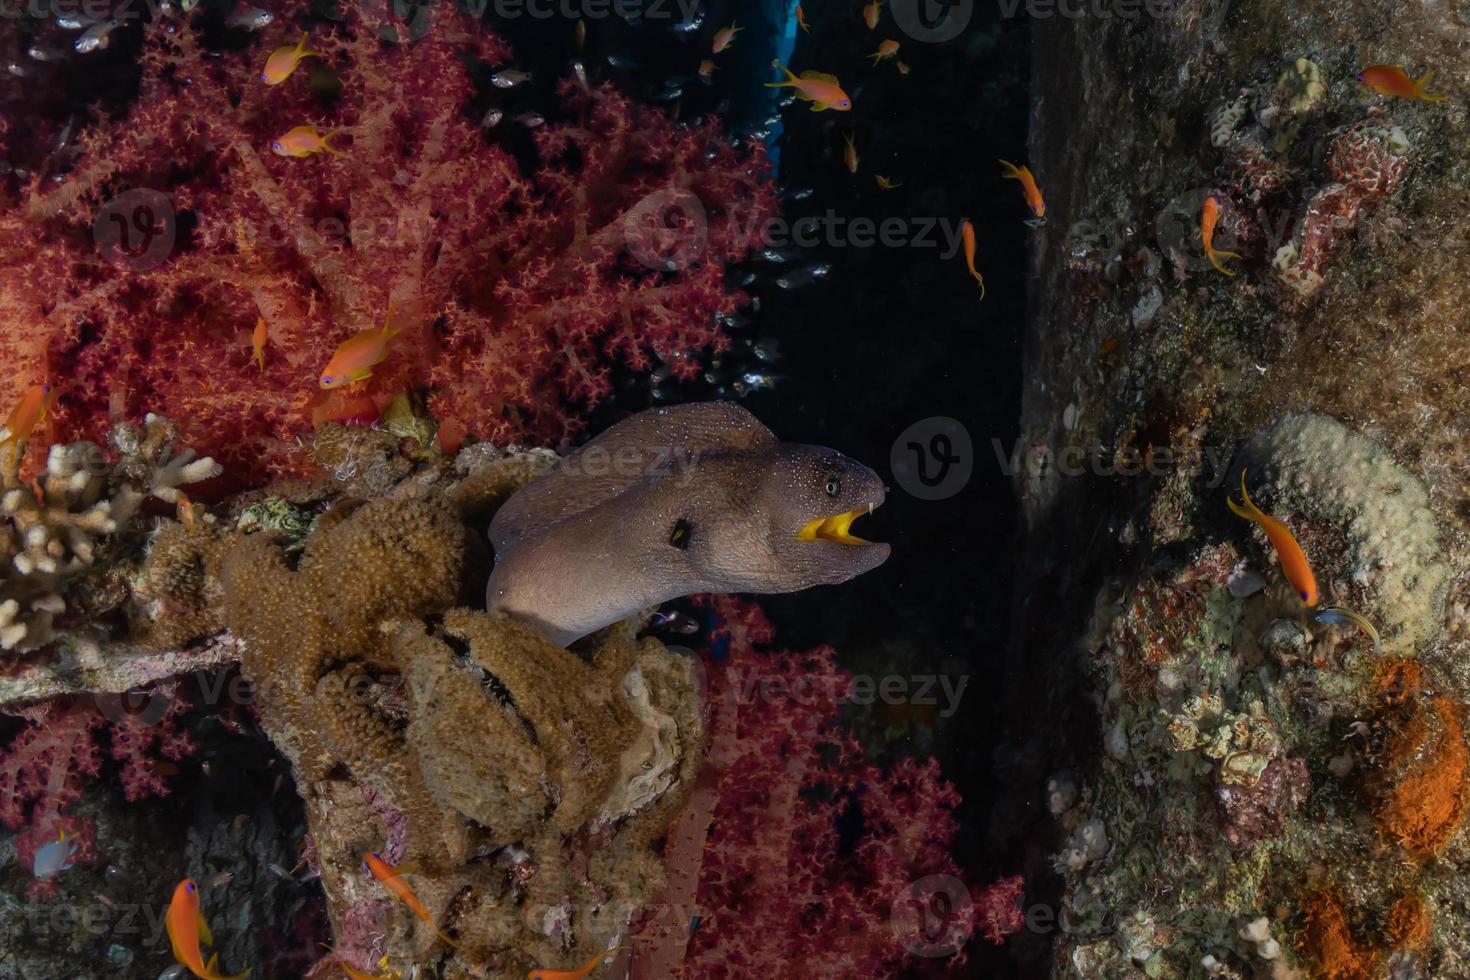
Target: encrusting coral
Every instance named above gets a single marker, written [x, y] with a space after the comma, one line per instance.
[523, 784]
[56, 528]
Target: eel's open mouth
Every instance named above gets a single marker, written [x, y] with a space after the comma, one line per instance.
[834, 528]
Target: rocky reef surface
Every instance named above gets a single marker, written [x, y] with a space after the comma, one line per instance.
[1238, 787]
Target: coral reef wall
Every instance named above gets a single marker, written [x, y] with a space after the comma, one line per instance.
[1240, 789]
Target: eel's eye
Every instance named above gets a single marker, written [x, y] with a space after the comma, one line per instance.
[834, 486]
[679, 538]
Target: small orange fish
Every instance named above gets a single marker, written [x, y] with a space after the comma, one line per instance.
[283, 61]
[186, 512]
[801, 19]
[1029, 189]
[1293, 560]
[579, 34]
[257, 343]
[541, 973]
[822, 90]
[356, 356]
[28, 413]
[885, 183]
[850, 154]
[967, 233]
[1208, 217]
[394, 882]
[887, 49]
[706, 69]
[903, 68]
[725, 36]
[303, 141]
[870, 13]
[187, 929]
[1391, 80]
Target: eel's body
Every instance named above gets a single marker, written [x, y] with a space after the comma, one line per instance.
[671, 502]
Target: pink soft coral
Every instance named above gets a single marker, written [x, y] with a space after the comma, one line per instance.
[795, 852]
[514, 287]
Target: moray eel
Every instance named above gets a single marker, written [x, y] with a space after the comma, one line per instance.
[671, 502]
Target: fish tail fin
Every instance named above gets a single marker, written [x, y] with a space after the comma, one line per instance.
[328, 146]
[1215, 258]
[302, 51]
[1423, 83]
[790, 78]
[877, 56]
[1008, 170]
[1249, 511]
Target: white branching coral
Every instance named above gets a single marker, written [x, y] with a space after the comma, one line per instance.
[52, 528]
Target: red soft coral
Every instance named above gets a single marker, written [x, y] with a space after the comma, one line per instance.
[517, 290]
[793, 848]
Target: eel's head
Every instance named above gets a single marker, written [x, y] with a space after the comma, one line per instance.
[810, 499]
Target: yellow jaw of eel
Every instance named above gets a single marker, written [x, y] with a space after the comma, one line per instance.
[834, 528]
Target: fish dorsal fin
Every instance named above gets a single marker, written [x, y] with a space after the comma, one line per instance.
[204, 936]
[651, 444]
[818, 76]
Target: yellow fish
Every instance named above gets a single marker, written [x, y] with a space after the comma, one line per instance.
[303, 141]
[283, 61]
[887, 183]
[725, 37]
[28, 413]
[820, 89]
[870, 13]
[257, 343]
[886, 50]
[356, 357]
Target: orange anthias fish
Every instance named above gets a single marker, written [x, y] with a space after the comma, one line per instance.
[801, 19]
[887, 183]
[28, 413]
[903, 68]
[887, 49]
[186, 512]
[1288, 552]
[1391, 80]
[849, 154]
[356, 356]
[541, 973]
[303, 141]
[706, 69]
[283, 61]
[257, 343]
[356, 974]
[725, 36]
[821, 90]
[1034, 200]
[870, 13]
[967, 233]
[1208, 217]
[187, 929]
[394, 882]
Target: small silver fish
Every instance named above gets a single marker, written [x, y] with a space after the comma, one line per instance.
[280, 872]
[509, 78]
[757, 380]
[219, 880]
[689, 26]
[579, 70]
[251, 19]
[620, 61]
[668, 94]
[492, 119]
[68, 22]
[767, 349]
[38, 53]
[53, 858]
[17, 69]
[173, 972]
[531, 119]
[95, 38]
